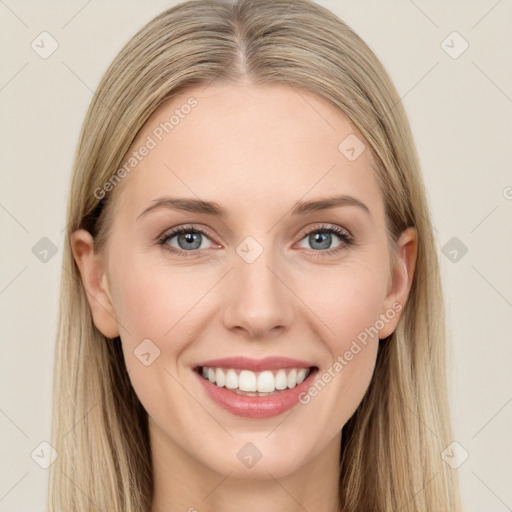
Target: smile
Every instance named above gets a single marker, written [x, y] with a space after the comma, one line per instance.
[255, 388]
[249, 383]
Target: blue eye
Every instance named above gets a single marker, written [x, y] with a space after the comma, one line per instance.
[189, 240]
[321, 238]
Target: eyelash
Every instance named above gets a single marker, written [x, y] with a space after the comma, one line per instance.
[346, 240]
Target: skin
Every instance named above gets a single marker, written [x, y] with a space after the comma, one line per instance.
[255, 151]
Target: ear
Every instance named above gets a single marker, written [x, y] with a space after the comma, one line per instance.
[403, 272]
[95, 283]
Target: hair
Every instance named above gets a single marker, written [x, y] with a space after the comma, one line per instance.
[390, 457]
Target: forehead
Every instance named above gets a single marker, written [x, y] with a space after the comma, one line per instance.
[245, 145]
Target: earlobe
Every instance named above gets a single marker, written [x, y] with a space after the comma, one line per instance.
[403, 272]
[95, 283]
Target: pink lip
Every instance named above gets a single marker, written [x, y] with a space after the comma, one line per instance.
[255, 365]
[256, 406]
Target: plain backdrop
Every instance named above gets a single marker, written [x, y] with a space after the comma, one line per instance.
[459, 101]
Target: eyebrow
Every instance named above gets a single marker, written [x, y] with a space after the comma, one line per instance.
[217, 210]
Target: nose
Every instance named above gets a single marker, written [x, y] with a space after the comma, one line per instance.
[259, 302]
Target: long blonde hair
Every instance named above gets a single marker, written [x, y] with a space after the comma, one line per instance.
[391, 448]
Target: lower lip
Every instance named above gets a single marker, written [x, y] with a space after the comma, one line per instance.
[256, 406]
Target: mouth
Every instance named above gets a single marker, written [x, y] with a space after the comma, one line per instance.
[249, 383]
[255, 388]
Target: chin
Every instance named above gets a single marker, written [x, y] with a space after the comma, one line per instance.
[260, 456]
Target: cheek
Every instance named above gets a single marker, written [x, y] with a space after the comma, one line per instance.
[155, 302]
[349, 304]
[347, 370]
[349, 307]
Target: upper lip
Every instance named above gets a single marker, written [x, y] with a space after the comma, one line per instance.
[255, 365]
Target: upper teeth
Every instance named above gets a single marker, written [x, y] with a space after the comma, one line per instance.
[264, 382]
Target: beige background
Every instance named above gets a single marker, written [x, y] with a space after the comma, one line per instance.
[461, 115]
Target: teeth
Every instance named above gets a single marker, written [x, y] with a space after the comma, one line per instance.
[266, 383]
[246, 381]
[301, 375]
[231, 379]
[291, 379]
[281, 381]
[220, 378]
[254, 383]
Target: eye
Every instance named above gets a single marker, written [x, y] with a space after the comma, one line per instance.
[188, 240]
[185, 239]
[321, 239]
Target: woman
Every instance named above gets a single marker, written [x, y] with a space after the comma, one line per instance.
[251, 311]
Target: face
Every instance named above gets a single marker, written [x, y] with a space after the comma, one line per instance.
[250, 309]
